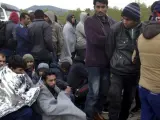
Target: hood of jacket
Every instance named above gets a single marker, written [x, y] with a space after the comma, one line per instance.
[69, 18]
[51, 16]
[83, 16]
[151, 29]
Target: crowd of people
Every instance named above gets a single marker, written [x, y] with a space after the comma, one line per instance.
[83, 69]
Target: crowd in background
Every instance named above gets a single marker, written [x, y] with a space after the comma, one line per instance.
[85, 68]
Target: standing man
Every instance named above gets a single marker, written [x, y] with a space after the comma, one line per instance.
[69, 34]
[40, 34]
[125, 74]
[23, 43]
[9, 47]
[81, 36]
[57, 35]
[149, 51]
[97, 28]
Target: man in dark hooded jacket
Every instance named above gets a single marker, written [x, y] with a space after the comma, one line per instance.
[40, 34]
[69, 45]
[125, 74]
[9, 46]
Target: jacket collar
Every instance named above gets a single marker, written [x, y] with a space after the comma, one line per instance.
[38, 20]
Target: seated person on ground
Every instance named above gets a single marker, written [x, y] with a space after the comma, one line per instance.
[17, 64]
[42, 67]
[17, 93]
[2, 59]
[29, 60]
[55, 104]
[65, 65]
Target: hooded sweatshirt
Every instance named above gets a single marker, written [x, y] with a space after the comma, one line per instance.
[149, 52]
[69, 38]
[80, 33]
[57, 35]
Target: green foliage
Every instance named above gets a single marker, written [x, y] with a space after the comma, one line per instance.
[23, 11]
[114, 12]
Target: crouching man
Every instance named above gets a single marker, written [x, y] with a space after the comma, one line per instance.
[17, 94]
[55, 104]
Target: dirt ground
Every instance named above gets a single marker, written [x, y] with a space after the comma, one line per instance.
[135, 116]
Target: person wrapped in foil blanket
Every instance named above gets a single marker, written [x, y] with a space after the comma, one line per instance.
[16, 91]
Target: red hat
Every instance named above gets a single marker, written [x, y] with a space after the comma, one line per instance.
[14, 17]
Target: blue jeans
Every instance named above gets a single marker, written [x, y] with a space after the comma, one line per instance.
[150, 104]
[24, 113]
[98, 81]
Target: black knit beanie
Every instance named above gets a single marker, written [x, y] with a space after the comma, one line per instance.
[132, 11]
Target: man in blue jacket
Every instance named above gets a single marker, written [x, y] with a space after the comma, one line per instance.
[23, 43]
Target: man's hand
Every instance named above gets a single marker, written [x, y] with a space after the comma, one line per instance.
[68, 90]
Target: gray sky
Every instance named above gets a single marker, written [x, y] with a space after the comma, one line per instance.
[70, 4]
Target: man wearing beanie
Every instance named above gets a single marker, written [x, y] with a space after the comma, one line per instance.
[40, 34]
[124, 74]
[10, 42]
[149, 50]
[97, 29]
[152, 9]
[29, 60]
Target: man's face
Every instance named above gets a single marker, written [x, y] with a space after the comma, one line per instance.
[18, 70]
[46, 18]
[26, 20]
[128, 23]
[30, 64]
[41, 72]
[73, 19]
[51, 80]
[2, 61]
[100, 9]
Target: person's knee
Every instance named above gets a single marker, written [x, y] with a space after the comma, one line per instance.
[114, 94]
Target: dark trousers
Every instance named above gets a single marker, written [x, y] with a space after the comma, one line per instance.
[119, 105]
[81, 53]
[137, 99]
[150, 104]
[24, 113]
[98, 82]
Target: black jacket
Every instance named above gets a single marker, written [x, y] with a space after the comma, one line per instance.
[40, 34]
[122, 45]
[10, 42]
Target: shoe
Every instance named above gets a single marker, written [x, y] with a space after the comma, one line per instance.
[98, 117]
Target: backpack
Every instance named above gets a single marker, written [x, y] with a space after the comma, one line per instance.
[2, 33]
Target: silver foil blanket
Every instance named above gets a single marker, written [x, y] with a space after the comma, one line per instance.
[16, 91]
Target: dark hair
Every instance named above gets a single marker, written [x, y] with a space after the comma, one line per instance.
[66, 65]
[101, 1]
[39, 14]
[56, 19]
[16, 61]
[32, 16]
[23, 15]
[3, 56]
[47, 73]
